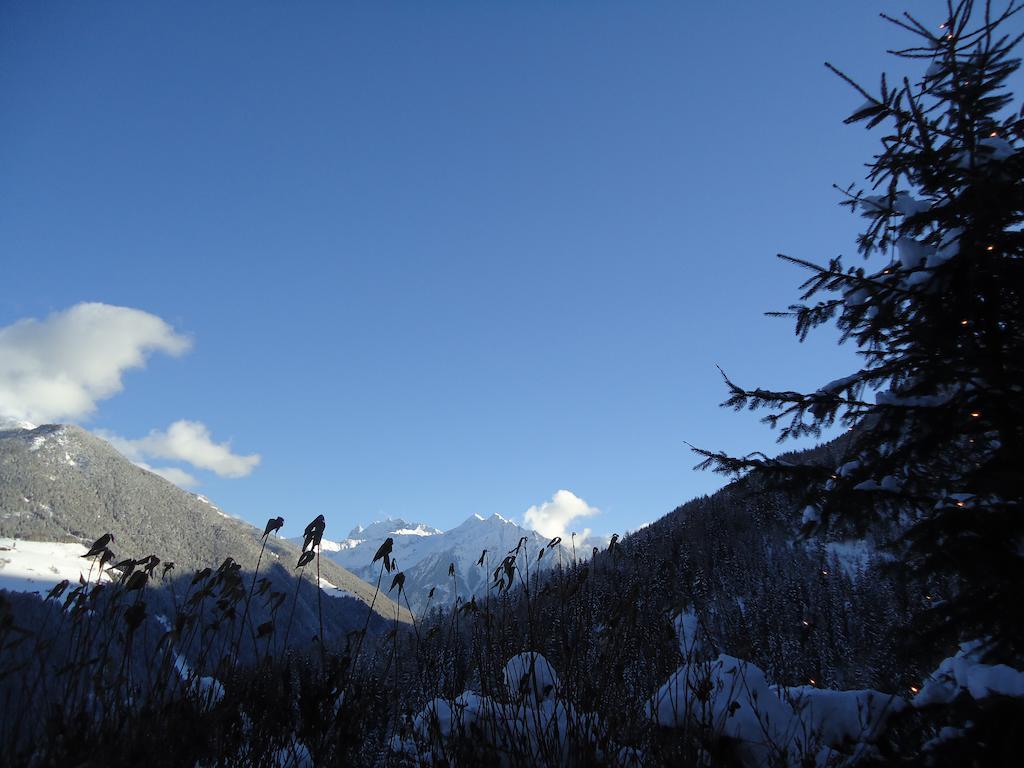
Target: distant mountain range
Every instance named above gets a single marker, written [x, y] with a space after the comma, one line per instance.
[62, 484]
[425, 554]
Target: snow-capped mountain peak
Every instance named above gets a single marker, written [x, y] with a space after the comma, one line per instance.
[63, 486]
[478, 521]
[426, 554]
[9, 424]
[419, 530]
[392, 526]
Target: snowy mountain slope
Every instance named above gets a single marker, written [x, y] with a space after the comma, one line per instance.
[62, 484]
[425, 554]
[37, 566]
[413, 541]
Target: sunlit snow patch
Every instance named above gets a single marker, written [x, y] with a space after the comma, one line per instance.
[334, 590]
[38, 566]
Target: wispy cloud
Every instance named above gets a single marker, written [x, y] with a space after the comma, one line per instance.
[60, 367]
[175, 475]
[189, 442]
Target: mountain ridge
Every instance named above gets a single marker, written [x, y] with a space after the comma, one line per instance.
[425, 554]
[61, 483]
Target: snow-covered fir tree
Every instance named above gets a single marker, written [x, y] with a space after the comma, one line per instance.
[936, 410]
[931, 464]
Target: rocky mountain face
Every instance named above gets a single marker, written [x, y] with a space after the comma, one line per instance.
[426, 554]
[60, 483]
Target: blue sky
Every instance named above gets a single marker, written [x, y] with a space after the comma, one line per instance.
[431, 259]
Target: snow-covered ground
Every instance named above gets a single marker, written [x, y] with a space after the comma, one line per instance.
[37, 566]
[769, 724]
[533, 716]
[334, 590]
[963, 672]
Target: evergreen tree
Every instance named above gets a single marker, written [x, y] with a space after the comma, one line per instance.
[934, 460]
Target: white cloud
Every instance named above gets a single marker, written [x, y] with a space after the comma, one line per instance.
[62, 366]
[187, 441]
[175, 475]
[553, 518]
